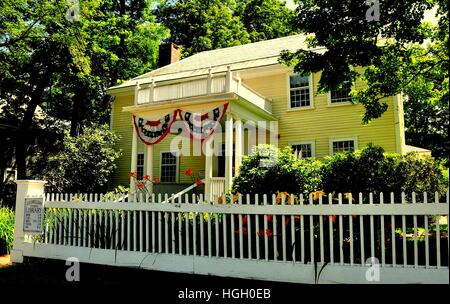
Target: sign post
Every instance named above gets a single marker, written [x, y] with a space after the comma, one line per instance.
[29, 215]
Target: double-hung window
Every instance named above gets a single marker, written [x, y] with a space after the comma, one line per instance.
[300, 91]
[341, 94]
[341, 146]
[303, 150]
[169, 167]
[140, 165]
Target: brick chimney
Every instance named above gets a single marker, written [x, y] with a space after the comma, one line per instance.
[168, 53]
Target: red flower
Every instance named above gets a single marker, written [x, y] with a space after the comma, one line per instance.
[146, 177]
[269, 217]
[244, 231]
[140, 185]
[155, 179]
[261, 232]
[199, 182]
[286, 221]
[244, 220]
[188, 172]
[268, 232]
[333, 218]
[132, 174]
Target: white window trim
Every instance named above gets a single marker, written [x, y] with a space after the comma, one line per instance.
[288, 92]
[335, 139]
[338, 104]
[177, 169]
[303, 142]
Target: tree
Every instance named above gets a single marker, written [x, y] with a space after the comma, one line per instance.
[123, 43]
[64, 64]
[390, 49]
[37, 42]
[84, 163]
[265, 19]
[427, 116]
[200, 25]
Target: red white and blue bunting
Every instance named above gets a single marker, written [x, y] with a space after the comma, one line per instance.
[198, 126]
[153, 131]
[202, 126]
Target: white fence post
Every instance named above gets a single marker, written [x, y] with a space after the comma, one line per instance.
[25, 188]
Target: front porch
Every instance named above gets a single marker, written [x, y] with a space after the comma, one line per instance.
[215, 158]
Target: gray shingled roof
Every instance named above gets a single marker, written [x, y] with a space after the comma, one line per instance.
[237, 57]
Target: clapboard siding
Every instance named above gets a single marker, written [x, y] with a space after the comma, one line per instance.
[122, 125]
[319, 124]
[323, 121]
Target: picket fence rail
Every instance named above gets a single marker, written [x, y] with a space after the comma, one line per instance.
[311, 239]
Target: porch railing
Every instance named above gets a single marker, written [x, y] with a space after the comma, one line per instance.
[200, 86]
[217, 186]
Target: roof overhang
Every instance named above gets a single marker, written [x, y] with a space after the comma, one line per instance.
[212, 98]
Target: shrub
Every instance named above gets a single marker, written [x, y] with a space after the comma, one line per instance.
[369, 170]
[119, 193]
[445, 175]
[372, 170]
[84, 163]
[422, 173]
[269, 170]
[6, 229]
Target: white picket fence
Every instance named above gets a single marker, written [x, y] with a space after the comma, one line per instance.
[305, 240]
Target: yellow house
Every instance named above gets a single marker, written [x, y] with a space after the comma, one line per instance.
[251, 99]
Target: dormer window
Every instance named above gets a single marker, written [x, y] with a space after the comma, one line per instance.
[300, 92]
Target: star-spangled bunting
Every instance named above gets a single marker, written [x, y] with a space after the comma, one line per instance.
[198, 126]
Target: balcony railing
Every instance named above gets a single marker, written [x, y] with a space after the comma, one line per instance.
[151, 93]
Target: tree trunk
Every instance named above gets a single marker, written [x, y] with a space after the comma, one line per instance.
[24, 128]
[22, 141]
[77, 112]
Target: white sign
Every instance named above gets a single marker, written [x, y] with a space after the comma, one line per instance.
[33, 215]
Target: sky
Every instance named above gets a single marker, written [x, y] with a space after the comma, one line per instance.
[290, 4]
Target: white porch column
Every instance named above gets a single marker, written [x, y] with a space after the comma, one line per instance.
[238, 145]
[208, 151]
[149, 167]
[228, 152]
[133, 167]
[25, 188]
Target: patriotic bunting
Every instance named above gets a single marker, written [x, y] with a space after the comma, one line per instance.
[201, 127]
[198, 126]
[152, 132]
